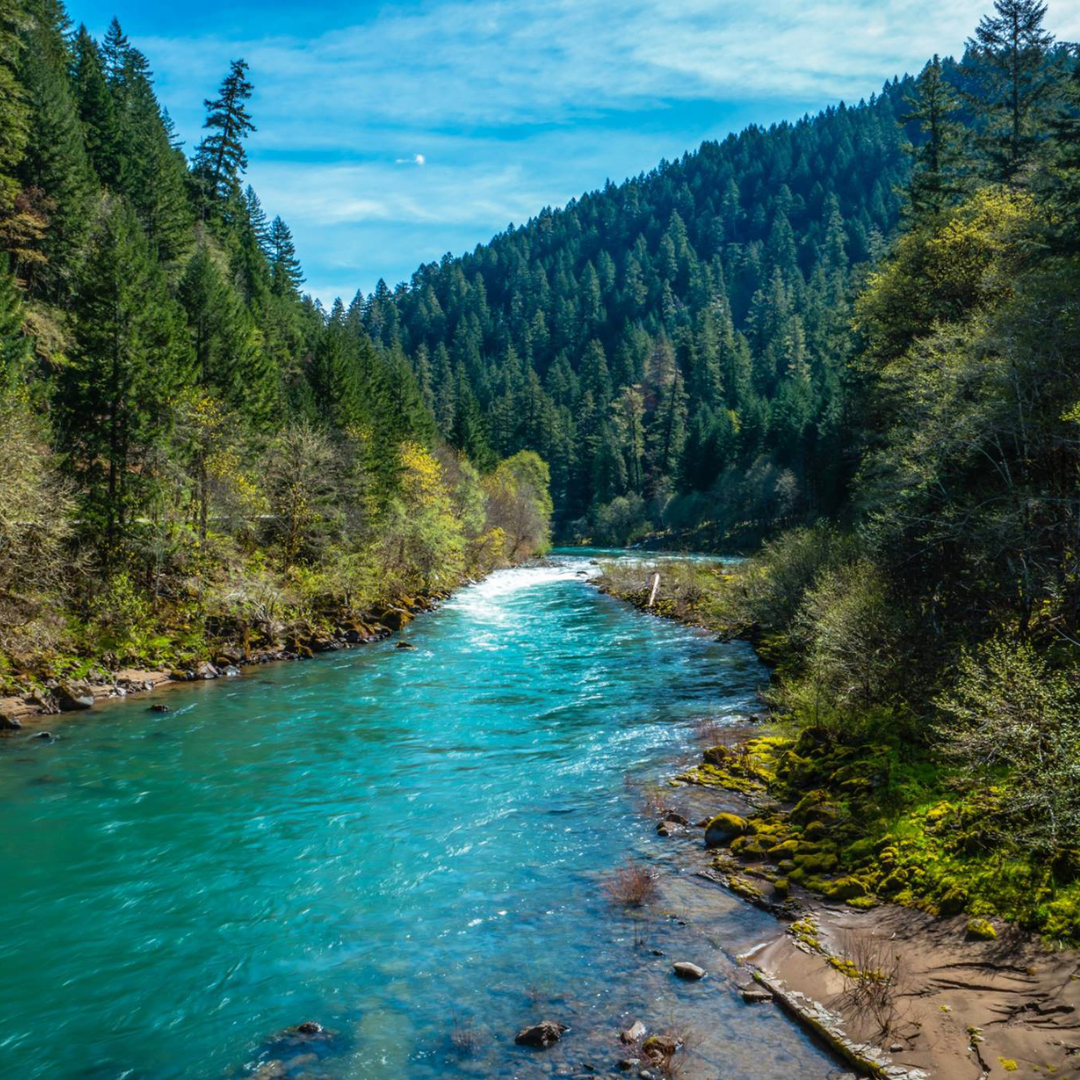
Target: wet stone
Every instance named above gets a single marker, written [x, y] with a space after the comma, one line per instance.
[542, 1035]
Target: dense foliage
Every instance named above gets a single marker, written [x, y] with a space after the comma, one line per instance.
[190, 443]
[927, 639]
[676, 346]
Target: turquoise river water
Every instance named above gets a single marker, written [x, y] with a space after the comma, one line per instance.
[406, 846]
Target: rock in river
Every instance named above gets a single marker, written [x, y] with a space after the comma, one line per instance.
[634, 1032]
[75, 694]
[542, 1035]
[685, 970]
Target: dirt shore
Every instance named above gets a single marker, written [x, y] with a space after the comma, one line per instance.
[950, 1007]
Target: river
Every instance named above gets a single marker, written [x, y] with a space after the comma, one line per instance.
[404, 845]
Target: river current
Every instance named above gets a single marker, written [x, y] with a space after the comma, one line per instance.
[406, 846]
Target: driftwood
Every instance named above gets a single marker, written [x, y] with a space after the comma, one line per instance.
[655, 586]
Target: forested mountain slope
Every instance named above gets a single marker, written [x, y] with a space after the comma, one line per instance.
[194, 449]
[686, 332]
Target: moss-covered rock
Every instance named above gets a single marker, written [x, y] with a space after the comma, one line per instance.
[723, 828]
[846, 888]
[980, 930]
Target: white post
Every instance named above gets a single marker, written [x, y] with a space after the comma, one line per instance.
[655, 586]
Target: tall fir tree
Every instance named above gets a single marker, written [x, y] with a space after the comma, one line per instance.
[221, 157]
[939, 158]
[1009, 63]
[130, 356]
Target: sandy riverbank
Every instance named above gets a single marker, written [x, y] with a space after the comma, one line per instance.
[948, 1006]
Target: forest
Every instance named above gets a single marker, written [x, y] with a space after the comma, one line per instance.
[852, 338]
[194, 449]
[926, 633]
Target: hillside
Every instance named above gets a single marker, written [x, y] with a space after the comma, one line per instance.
[684, 333]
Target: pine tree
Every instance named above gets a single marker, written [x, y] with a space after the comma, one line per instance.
[285, 273]
[1009, 63]
[154, 175]
[938, 159]
[114, 397]
[55, 160]
[221, 157]
[14, 114]
[1065, 181]
[14, 344]
[223, 340]
[335, 373]
[97, 110]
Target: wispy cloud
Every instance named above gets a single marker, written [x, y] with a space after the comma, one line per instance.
[569, 91]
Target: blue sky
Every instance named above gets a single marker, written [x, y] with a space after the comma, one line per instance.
[389, 134]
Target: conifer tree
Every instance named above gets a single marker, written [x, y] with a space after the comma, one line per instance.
[1009, 63]
[14, 113]
[114, 400]
[221, 157]
[14, 344]
[97, 110]
[938, 159]
[285, 273]
[154, 174]
[55, 159]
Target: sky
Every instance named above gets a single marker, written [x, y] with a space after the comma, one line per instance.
[390, 134]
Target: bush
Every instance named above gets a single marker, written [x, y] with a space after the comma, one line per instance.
[630, 885]
[1013, 722]
[619, 522]
[774, 583]
[849, 631]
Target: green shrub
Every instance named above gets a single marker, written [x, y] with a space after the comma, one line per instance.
[1012, 721]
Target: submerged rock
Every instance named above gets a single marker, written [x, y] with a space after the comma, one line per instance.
[542, 1035]
[159, 708]
[685, 970]
[755, 995]
[408, 645]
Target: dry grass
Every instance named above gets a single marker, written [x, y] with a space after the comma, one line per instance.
[668, 1054]
[872, 971]
[654, 801]
[630, 885]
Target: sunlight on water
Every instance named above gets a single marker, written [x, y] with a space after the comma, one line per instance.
[379, 840]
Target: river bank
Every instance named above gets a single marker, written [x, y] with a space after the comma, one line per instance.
[54, 694]
[896, 990]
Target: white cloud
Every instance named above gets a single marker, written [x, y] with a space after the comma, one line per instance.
[569, 91]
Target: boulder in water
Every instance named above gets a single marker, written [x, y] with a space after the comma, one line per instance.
[542, 1035]
[159, 708]
[76, 694]
[634, 1032]
[685, 970]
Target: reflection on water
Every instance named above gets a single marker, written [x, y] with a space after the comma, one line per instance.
[402, 845]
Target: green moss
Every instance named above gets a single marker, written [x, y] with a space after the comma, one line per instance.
[981, 930]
